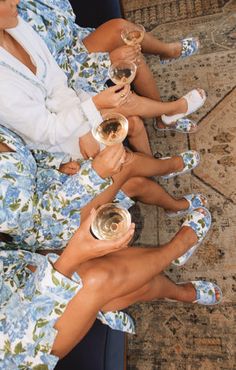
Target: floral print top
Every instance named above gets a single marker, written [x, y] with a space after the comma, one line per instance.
[31, 303]
[39, 206]
[54, 21]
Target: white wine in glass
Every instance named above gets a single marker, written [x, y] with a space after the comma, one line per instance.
[122, 72]
[110, 222]
[112, 130]
[133, 34]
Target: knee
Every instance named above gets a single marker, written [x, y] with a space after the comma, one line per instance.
[98, 277]
[134, 186]
[105, 278]
[118, 24]
[136, 126]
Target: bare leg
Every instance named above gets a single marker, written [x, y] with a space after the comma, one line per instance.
[148, 108]
[98, 40]
[149, 192]
[144, 83]
[137, 136]
[159, 287]
[103, 282]
[145, 166]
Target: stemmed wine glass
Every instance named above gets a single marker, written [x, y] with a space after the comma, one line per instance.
[122, 72]
[111, 221]
[133, 34]
[113, 130]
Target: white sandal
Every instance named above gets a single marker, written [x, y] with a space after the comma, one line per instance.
[194, 102]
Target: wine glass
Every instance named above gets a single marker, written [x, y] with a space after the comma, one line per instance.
[111, 221]
[113, 130]
[122, 72]
[133, 34]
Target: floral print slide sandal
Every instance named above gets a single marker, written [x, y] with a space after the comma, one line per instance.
[200, 221]
[190, 46]
[191, 159]
[195, 201]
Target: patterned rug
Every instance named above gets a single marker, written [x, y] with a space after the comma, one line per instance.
[179, 336]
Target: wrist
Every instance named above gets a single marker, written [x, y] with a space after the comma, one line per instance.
[64, 266]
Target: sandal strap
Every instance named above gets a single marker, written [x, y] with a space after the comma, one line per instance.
[195, 201]
[194, 100]
[200, 222]
[190, 47]
[206, 292]
[191, 159]
[183, 125]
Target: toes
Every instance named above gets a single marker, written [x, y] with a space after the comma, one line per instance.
[217, 294]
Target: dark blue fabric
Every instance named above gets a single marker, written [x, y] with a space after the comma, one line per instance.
[92, 13]
[101, 349]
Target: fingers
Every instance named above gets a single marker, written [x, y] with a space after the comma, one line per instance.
[110, 246]
[124, 94]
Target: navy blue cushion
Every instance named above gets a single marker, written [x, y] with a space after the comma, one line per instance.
[101, 349]
[92, 13]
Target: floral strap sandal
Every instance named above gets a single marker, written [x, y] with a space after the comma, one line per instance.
[190, 46]
[195, 100]
[207, 293]
[191, 159]
[194, 200]
[200, 221]
[182, 125]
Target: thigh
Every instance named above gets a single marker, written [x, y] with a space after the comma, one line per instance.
[106, 37]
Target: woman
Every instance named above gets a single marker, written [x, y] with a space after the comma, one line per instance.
[80, 51]
[49, 303]
[47, 113]
[42, 206]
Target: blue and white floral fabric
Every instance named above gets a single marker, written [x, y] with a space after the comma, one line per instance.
[40, 206]
[31, 303]
[54, 21]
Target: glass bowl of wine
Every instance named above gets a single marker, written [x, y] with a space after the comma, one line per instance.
[111, 221]
[133, 34]
[112, 130]
[122, 72]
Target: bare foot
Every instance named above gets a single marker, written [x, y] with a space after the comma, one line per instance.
[173, 50]
[187, 236]
[188, 293]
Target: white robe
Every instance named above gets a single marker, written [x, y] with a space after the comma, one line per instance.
[41, 108]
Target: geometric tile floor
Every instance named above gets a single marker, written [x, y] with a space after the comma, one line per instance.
[179, 336]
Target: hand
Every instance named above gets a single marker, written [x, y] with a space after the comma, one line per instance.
[89, 147]
[125, 52]
[83, 246]
[70, 168]
[109, 161]
[112, 97]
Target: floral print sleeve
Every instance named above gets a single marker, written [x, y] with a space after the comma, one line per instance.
[60, 200]
[40, 206]
[49, 160]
